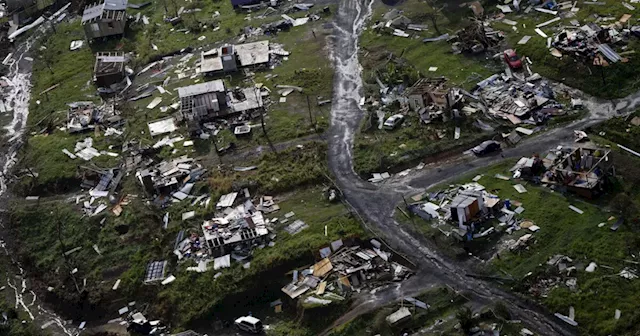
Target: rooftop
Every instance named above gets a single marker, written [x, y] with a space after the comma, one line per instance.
[97, 9]
[109, 62]
[202, 88]
[253, 53]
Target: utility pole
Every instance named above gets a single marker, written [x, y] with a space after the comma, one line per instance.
[310, 115]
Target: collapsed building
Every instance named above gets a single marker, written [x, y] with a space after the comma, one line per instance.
[589, 43]
[83, 116]
[230, 58]
[582, 171]
[237, 228]
[104, 19]
[203, 100]
[174, 178]
[346, 267]
[477, 37]
[109, 69]
[467, 206]
[528, 101]
[433, 97]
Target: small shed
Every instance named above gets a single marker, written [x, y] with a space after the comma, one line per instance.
[202, 100]
[109, 68]
[103, 19]
[466, 205]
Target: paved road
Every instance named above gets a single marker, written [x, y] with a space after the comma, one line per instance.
[376, 203]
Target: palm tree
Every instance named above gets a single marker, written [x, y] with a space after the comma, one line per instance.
[465, 318]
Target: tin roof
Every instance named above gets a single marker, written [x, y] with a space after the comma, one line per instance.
[97, 10]
[202, 88]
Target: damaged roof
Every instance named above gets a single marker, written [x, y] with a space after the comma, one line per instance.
[97, 10]
[202, 88]
[253, 53]
[108, 63]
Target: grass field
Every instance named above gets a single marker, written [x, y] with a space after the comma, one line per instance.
[616, 80]
[382, 150]
[308, 66]
[578, 236]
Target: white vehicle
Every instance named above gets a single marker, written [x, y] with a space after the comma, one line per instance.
[393, 121]
[249, 324]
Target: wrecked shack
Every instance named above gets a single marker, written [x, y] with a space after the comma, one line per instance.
[201, 101]
[581, 171]
[104, 19]
[108, 69]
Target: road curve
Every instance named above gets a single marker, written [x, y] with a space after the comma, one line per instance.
[376, 203]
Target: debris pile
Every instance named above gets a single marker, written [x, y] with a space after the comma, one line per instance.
[531, 101]
[171, 180]
[84, 116]
[475, 38]
[344, 269]
[590, 43]
[236, 229]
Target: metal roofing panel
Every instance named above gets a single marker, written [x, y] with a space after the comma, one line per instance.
[222, 262]
[253, 53]
[115, 4]
[111, 59]
[609, 53]
[92, 13]
[202, 88]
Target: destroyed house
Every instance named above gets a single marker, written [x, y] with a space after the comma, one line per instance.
[466, 206]
[168, 176]
[108, 69]
[428, 91]
[582, 171]
[223, 235]
[104, 19]
[231, 57]
[81, 116]
[204, 100]
[244, 100]
[219, 60]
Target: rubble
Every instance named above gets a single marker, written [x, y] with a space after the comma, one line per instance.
[345, 268]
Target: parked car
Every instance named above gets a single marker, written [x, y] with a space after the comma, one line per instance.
[393, 121]
[486, 147]
[249, 324]
[512, 59]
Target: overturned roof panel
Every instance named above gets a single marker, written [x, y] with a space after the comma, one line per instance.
[97, 10]
[202, 88]
[253, 53]
[115, 4]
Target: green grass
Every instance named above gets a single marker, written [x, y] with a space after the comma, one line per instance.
[459, 69]
[619, 78]
[579, 237]
[307, 66]
[442, 302]
[620, 130]
[194, 296]
[381, 150]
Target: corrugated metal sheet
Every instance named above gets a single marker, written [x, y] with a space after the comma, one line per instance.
[202, 88]
[609, 53]
[92, 13]
[96, 11]
[253, 53]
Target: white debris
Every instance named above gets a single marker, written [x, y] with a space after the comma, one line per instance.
[155, 102]
[591, 268]
[168, 280]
